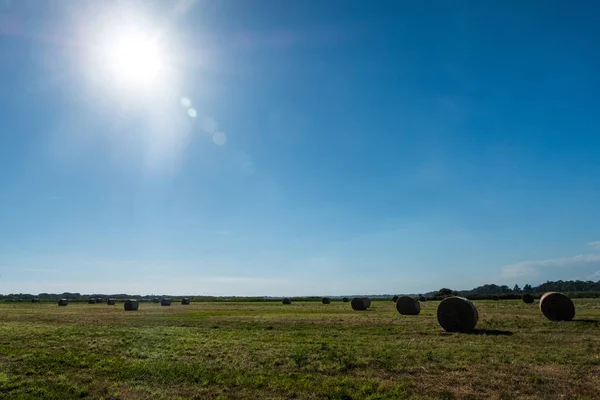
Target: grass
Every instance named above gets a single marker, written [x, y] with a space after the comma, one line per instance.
[303, 351]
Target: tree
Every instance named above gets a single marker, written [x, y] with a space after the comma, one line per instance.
[443, 292]
[516, 289]
[527, 288]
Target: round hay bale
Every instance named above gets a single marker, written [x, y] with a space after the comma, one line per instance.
[286, 301]
[111, 302]
[63, 302]
[408, 306]
[35, 300]
[98, 300]
[156, 300]
[422, 298]
[165, 302]
[395, 298]
[527, 298]
[91, 301]
[457, 314]
[326, 300]
[360, 303]
[185, 301]
[346, 300]
[131, 305]
[495, 298]
[557, 307]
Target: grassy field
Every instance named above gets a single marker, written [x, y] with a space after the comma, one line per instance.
[302, 351]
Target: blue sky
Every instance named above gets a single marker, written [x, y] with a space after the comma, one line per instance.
[297, 147]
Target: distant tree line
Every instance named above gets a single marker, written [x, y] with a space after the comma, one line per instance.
[572, 288]
[78, 297]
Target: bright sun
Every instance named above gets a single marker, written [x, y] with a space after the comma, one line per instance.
[129, 56]
[134, 58]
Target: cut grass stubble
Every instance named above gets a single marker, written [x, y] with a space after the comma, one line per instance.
[303, 350]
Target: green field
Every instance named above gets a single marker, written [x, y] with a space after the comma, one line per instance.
[302, 351]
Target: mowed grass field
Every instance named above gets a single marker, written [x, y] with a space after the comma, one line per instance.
[302, 351]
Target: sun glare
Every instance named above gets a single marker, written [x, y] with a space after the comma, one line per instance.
[129, 54]
[134, 58]
[131, 57]
[132, 73]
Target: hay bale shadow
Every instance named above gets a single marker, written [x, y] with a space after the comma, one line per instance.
[490, 332]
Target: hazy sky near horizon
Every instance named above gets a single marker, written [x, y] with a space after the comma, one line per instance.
[299, 147]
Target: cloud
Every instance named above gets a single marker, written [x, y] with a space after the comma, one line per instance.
[183, 6]
[595, 244]
[532, 268]
[286, 38]
[40, 270]
[594, 277]
[156, 277]
[189, 285]
[220, 285]
[245, 163]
